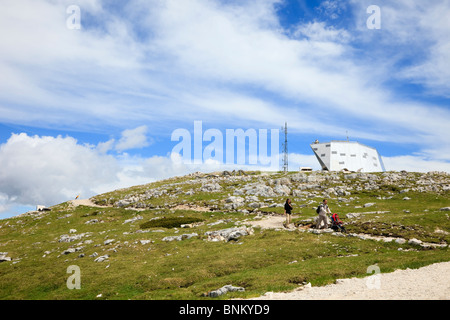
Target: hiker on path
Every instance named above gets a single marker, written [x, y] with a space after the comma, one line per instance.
[288, 211]
[323, 212]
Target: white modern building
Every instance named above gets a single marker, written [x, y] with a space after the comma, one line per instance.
[350, 155]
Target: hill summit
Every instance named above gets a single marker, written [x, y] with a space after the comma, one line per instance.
[189, 237]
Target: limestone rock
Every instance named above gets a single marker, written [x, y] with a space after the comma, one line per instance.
[224, 290]
[75, 237]
[179, 238]
[211, 187]
[228, 234]
[233, 202]
[415, 242]
[109, 241]
[3, 257]
[352, 215]
[102, 258]
[133, 219]
[369, 204]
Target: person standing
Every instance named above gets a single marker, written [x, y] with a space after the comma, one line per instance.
[288, 211]
[323, 211]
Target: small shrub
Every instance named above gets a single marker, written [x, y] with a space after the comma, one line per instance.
[91, 214]
[390, 187]
[175, 222]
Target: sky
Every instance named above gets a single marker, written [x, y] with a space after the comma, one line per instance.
[97, 95]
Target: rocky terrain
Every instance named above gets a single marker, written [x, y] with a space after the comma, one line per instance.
[259, 190]
[222, 234]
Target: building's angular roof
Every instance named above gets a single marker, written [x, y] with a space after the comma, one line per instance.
[338, 155]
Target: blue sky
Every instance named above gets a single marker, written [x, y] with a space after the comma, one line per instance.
[84, 111]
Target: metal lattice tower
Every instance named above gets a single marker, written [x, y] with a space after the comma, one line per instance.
[285, 150]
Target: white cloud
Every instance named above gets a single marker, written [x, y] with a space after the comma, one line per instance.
[419, 31]
[319, 31]
[133, 138]
[65, 74]
[296, 161]
[434, 73]
[104, 147]
[433, 27]
[332, 8]
[191, 47]
[3, 204]
[48, 170]
[238, 50]
[415, 164]
[228, 62]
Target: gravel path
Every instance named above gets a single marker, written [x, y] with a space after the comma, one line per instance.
[270, 222]
[84, 202]
[428, 283]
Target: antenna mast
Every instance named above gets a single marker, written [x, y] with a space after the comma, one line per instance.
[285, 150]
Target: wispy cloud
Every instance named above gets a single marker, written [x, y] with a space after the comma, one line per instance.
[49, 170]
[415, 41]
[332, 8]
[45, 170]
[133, 138]
[148, 67]
[415, 163]
[142, 64]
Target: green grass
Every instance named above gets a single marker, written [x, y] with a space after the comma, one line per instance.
[265, 261]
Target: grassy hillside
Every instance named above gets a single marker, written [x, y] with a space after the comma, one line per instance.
[131, 229]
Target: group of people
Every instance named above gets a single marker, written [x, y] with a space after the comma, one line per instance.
[323, 211]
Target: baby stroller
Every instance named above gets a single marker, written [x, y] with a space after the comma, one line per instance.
[336, 224]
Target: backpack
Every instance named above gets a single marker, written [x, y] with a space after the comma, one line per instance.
[318, 209]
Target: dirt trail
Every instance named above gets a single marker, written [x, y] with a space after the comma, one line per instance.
[428, 283]
[84, 202]
[270, 222]
[193, 208]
